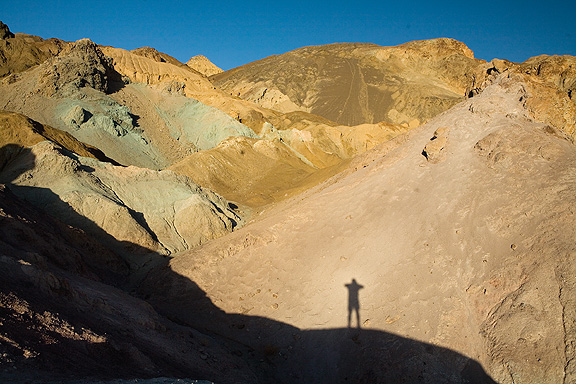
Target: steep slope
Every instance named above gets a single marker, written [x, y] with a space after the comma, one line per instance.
[61, 318]
[109, 202]
[80, 92]
[19, 52]
[22, 131]
[461, 234]
[360, 83]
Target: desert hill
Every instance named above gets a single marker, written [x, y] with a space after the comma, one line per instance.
[137, 109]
[360, 83]
[19, 52]
[454, 233]
[160, 219]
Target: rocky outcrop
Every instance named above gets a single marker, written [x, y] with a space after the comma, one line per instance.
[557, 70]
[435, 150]
[201, 64]
[82, 64]
[5, 32]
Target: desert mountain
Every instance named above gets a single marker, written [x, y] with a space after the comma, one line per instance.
[340, 213]
[136, 107]
[360, 83]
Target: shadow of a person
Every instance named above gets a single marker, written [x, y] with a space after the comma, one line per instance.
[353, 301]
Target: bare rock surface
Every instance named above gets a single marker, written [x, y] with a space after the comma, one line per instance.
[359, 83]
[203, 65]
[119, 206]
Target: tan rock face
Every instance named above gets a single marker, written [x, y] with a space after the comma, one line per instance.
[359, 83]
[20, 52]
[558, 70]
[201, 64]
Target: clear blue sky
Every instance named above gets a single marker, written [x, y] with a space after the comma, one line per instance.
[234, 33]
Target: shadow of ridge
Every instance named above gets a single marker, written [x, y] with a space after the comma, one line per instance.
[16, 160]
[293, 355]
[275, 352]
[62, 308]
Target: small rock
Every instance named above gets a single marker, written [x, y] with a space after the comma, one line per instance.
[76, 116]
[434, 151]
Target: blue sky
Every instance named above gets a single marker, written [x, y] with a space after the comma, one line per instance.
[234, 33]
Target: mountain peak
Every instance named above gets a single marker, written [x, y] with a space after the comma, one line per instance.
[203, 65]
[5, 32]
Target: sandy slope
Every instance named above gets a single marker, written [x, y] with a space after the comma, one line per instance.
[472, 252]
